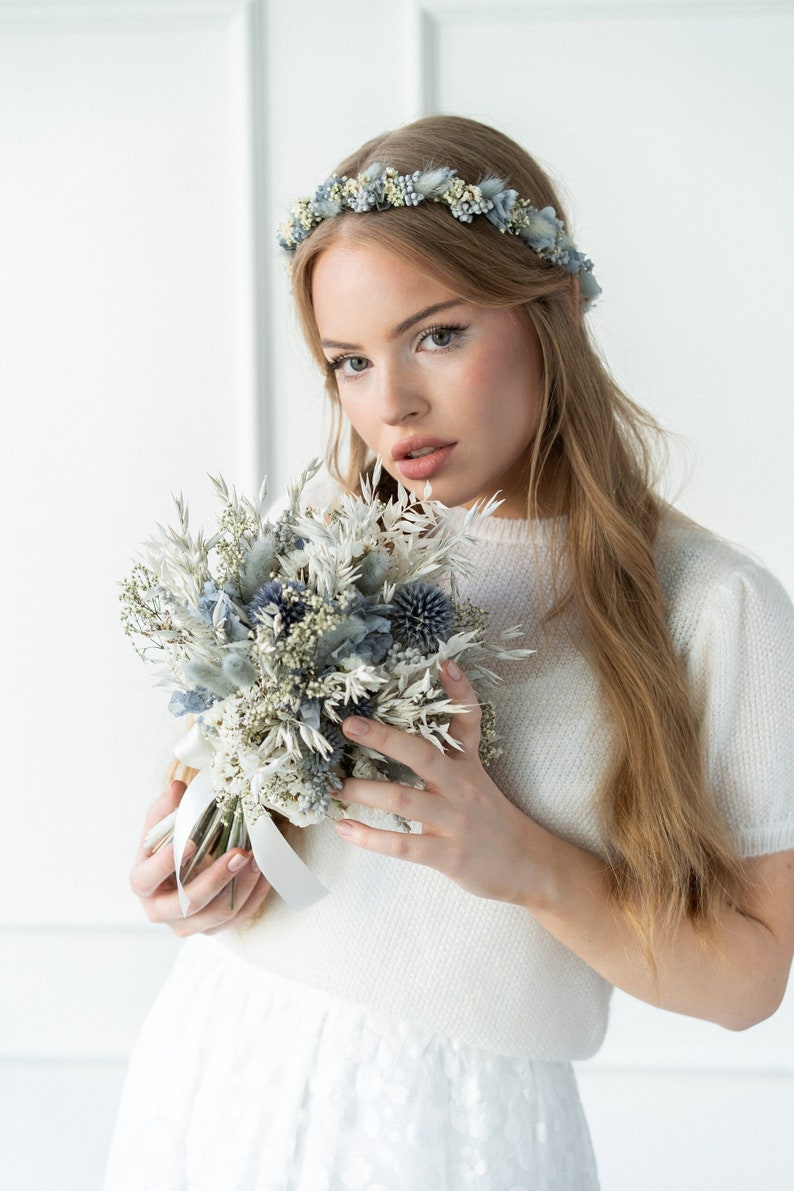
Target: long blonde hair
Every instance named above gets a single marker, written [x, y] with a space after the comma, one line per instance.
[669, 851]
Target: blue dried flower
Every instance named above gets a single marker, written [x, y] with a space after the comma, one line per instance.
[232, 615]
[319, 766]
[499, 214]
[589, 289]
[384, 187]
[193, 702]
[541, 229]
[270, 598]
[366, 633]
[421, 616]
[363, 708]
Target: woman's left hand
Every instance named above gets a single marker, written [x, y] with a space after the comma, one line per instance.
[470, 831]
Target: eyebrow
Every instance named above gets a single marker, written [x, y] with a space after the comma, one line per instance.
[402, 327]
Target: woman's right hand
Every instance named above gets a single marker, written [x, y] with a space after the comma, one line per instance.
[210, 890]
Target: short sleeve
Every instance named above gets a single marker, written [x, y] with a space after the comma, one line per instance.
[741, 666]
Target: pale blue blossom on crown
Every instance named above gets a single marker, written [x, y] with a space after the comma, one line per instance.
[432, 183]
[588, 286]
[502, 201]
[363, 200]
[465, 201]
[372, 175]
[493, 187]
[327, 208]
[382, 188]
[542, 229]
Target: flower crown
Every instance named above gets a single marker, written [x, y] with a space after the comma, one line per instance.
[380, 187]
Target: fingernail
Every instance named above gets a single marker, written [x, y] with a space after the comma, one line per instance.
[344, 828]
[356, 727]
[454, 671]
[237, 862]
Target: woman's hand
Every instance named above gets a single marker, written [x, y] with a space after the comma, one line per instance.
[213, 906]
[470, 831]
[476, 836]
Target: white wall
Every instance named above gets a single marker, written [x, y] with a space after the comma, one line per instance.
[147, 151]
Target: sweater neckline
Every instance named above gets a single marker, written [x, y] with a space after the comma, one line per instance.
[510, 529]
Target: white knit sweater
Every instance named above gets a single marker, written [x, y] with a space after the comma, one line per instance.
[404, 939]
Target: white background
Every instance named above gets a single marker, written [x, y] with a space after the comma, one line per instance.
[146, 152]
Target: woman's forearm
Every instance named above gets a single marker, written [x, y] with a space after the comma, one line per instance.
[735, 983]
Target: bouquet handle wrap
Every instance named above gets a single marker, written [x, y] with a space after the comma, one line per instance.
[278, 862]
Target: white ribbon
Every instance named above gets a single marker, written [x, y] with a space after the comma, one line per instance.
[280, 865]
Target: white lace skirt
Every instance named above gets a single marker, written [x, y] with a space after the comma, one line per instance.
[244, 1081]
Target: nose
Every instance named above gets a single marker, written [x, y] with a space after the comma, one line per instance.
[401, 394]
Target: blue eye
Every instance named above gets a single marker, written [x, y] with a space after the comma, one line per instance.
[441, 337]
[348, 365]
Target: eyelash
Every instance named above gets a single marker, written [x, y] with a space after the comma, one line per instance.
[457, 329]
[336, 363]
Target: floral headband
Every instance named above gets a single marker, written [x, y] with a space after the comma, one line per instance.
[381, 187]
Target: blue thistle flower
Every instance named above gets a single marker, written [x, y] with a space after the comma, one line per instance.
[319, 766]
[270, 597]
[421, 616]
[363, 708]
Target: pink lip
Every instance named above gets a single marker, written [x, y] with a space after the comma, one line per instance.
[426, 465]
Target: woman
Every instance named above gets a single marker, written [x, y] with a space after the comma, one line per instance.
[416, 1027]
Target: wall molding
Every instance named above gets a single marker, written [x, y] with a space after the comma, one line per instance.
[50, 16]
[262, 237]
[246, 20]
[568, 10]
[430, 16]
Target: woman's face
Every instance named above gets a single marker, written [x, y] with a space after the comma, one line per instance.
[444, 391]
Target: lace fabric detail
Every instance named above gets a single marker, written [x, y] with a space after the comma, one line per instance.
[246, 1081]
